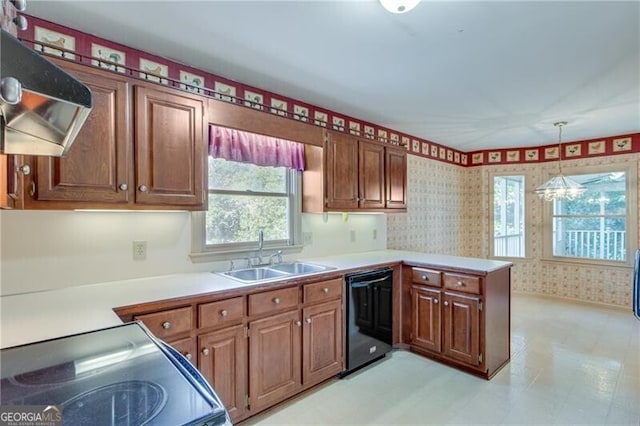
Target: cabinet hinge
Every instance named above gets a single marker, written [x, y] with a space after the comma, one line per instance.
[480, 358]
[480, 306]
[247, 401]
[246, 331]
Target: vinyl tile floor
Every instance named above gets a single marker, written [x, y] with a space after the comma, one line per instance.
[571, 364]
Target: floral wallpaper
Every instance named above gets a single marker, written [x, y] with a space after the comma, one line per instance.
[435, 221]
[448, 212]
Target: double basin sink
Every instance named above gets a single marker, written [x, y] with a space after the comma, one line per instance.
[275, 271]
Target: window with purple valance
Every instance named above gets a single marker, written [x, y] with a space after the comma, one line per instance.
[245, 147]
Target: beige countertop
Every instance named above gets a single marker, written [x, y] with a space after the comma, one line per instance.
[44, 315]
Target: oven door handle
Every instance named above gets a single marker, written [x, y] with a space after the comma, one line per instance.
[360, 284]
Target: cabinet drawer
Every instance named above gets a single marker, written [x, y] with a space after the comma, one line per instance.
[228, 311]
[459, 282]
[271, 301]
[426, 277]
[186, 347]
[168, 323]
[325, 290]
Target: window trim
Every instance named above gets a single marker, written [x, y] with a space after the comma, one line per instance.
[527, 217]
[631, 170]
[201, 252]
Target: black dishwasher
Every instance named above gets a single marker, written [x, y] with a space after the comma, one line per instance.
[369, 317]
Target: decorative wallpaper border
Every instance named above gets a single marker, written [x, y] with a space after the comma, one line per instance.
[120, 58]
[611, 145]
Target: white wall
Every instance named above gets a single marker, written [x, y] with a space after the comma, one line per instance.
[53, 249]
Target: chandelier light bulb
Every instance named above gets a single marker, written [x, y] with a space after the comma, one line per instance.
[399, 6]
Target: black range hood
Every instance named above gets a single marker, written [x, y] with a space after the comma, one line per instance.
[42, 108]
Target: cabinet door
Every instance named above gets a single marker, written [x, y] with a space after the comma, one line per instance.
[12, 180]
[322, 342]
[462, 328]
[223, 361]
[96, 168]
[396, 178]
[341, 172]
[425, 318]
[371, 159]
[274, 359]
[170, 149]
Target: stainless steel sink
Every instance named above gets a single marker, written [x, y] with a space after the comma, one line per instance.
[274, 272]
[299, 267]
[254, 274]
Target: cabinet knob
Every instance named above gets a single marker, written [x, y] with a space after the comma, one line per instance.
[446, 303]
[25, 169]
[308, 320]
[425, 278]
[188, 356]
[10, 90]
[298, 323]
[21, 22]
[143, 188]
[435, 301]
[460, 284]
[166, 325]
[276, 300]
[325, 290]
[224, 313]
[123, 187]
[20, 5]
[205, 352]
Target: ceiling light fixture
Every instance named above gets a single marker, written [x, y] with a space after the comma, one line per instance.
[399, 6]
[560, 186]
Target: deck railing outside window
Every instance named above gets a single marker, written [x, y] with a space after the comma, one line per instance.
[608, 245]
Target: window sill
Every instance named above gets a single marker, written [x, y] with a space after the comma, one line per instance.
[587, 262]
[218, 256]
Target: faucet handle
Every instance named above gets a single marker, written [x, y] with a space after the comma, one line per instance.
[277, 254]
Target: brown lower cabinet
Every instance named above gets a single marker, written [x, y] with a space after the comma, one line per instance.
[274, 359]
[461, 319]
[223, 361]
[322, 342]
[256, 348]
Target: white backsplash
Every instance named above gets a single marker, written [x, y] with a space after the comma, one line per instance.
[54, 249]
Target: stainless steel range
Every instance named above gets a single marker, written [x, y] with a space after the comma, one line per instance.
[114, 376]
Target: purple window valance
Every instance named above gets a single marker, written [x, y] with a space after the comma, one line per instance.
[245, 147]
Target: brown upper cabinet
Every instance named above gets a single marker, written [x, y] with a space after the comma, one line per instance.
[141, 147]
[351, 174]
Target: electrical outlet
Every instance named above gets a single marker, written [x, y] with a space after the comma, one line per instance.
[139, 250]
[307, 238]
[352, 235]
[375, 234]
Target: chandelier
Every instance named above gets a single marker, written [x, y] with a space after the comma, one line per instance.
[560, 187]
[399, 6]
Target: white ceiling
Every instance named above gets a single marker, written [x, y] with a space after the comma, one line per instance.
[470, 75]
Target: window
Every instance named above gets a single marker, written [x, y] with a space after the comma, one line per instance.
[599, 227]
[244, 198]
[508, 216]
